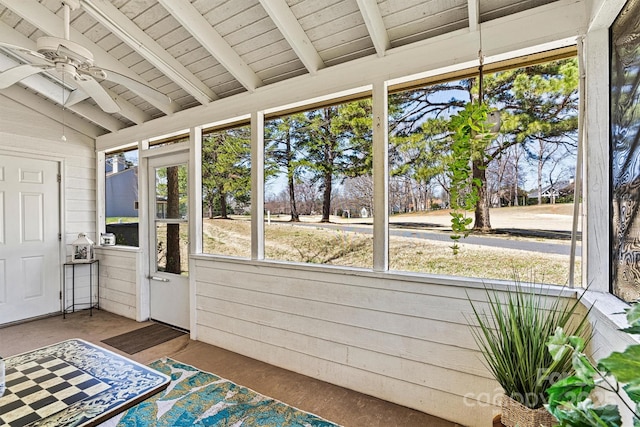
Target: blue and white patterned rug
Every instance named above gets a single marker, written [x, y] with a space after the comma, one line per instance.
[198, 398]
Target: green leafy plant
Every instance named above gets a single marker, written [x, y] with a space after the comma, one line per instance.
[512, 336]
[471, 135]
[619, 373]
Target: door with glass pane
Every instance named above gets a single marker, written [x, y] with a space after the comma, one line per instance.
[169, 240]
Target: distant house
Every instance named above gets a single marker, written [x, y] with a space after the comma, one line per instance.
[553, 191]
[121, 191]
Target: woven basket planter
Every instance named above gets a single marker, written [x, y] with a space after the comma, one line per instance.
[516, 414]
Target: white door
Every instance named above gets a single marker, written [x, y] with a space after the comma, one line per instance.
[169, 240]
[29, 241]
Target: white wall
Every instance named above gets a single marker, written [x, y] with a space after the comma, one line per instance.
[119, 280]
[398, 337]
[25, 132]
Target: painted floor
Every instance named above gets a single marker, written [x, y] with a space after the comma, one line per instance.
[334, 403]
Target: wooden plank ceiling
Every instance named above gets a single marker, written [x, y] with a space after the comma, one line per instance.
[199, 51]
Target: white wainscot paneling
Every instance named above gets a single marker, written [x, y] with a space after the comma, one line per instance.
[118, 281]
[395, 337]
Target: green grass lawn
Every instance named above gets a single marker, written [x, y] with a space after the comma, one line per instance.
[121, 219]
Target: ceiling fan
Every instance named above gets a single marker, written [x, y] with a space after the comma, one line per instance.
[69, 58]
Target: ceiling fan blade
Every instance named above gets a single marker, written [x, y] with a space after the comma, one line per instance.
[15, 74]
[97, 92]
[131, 84]
[23, 50]
[74, 97]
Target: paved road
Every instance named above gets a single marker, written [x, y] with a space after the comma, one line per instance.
[557, 247]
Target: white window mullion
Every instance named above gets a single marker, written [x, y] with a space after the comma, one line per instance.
[195, 191]
[257, 185]
[380, 177]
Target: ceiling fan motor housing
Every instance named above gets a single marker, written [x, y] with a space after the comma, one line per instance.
[61, 50]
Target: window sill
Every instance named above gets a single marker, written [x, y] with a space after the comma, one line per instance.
[433, 279]
[118, 248]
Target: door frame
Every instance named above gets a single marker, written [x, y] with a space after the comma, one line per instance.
[62, 245]
[147, 156]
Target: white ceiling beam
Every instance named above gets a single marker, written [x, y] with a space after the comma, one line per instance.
[127, 31]
[212, 41]
[42, 18]
[128, 110]
[375, 25]
[554, 25]
[52, 111]
[290, 28]
[473, 7]
[99, 117]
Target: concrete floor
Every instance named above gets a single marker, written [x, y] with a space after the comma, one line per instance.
[338, 404]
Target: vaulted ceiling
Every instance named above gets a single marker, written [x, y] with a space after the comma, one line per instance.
[200, 51]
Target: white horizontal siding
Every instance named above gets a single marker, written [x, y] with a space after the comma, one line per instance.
[398, 338]
[409, 394]
[118, 281]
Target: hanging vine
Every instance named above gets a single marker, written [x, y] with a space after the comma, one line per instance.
[471, 136]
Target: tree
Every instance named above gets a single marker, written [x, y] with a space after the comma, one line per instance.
[310, 197]
[504, 177]
[173, 230]
[338, 145]
[358, 194]
[540, 111]
[226, 170]
[171, 186]
[419, 161]
[284, 140]
[538, 101]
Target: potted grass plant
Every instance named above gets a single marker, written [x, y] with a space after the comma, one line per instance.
[512, 336]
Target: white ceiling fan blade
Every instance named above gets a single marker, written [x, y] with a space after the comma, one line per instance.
[15, 74]
[37, 56]
[97, 92]
[74, 97]
[131, 84]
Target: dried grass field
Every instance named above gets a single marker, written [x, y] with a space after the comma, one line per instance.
[349, 242]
